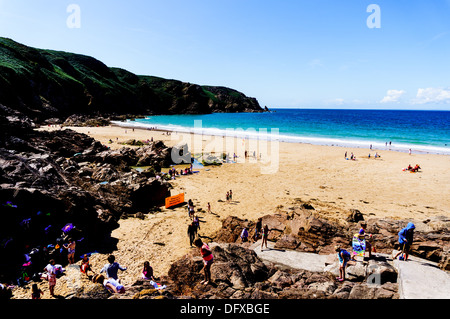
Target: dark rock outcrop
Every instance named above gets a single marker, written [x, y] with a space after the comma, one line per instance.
[51, 179]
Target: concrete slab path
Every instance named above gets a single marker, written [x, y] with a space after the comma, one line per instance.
[417, 278]
[290, 258]
[421, 279]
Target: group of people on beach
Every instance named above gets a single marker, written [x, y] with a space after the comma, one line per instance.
[405, 240]
[260, 232]
[412, 169]
[173, 172]
[205, 250]
[353, 156]
[229, 196]
[107, 276]
[194, 222]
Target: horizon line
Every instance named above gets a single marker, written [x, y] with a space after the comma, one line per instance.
[353, 109]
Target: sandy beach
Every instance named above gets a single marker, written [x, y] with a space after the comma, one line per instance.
[277, 179]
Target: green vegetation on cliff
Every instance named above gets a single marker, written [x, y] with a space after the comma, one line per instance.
[53, 84]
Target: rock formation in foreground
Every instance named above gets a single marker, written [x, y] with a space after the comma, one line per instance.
[52, 179]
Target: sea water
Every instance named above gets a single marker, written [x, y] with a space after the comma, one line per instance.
[398, 130]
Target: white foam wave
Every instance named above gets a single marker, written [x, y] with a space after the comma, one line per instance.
[273, 135]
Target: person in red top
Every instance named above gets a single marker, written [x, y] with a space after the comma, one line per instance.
[208, 259]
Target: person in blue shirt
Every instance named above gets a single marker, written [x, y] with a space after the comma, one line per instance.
[405, 238]
[244, 235]
[344, 256]
[112, 268]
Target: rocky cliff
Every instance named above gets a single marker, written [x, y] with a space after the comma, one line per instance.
[51, 179]
[46, 84]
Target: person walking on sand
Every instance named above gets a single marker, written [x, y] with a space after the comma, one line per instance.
[265, 235]
[112, 268]
[405, 239]
[51, 276]
[208, 259]
[344, 257]
[192, 231]
[209, 207]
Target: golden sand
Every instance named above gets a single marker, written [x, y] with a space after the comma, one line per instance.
[303, 172]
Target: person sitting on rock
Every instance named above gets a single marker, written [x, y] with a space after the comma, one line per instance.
[147, 272]
[85, 266]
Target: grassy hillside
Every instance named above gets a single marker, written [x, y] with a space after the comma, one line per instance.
[53, 84]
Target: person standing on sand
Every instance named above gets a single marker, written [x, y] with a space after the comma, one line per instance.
[209, 207]
[51, 276]
[208, 259]
[265, 235]
[192, 231]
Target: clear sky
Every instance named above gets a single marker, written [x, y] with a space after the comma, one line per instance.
[286, 53]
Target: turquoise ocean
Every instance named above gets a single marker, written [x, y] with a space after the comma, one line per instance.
[398, 130]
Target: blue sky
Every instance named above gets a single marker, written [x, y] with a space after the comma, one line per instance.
[292, 53]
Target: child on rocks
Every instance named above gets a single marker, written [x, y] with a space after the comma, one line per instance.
[344, 256]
